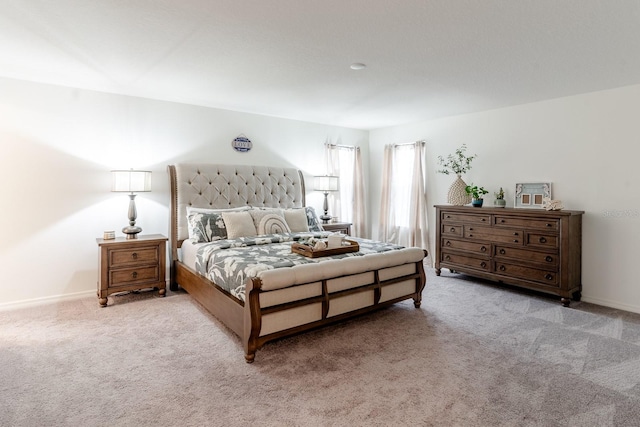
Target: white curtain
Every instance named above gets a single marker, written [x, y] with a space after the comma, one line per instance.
[349, 204]
[403, 211]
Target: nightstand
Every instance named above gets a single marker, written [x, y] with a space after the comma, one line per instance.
[341, 227]
[131, 264]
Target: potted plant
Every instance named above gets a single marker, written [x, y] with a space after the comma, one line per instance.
[457, 163]
[500, 202]
[476, 194]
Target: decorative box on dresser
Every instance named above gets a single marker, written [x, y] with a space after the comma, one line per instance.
[530, 248]
[340, 227]
[131, 264]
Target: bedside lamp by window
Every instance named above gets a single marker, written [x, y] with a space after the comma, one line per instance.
[326, 184]
[131, 181]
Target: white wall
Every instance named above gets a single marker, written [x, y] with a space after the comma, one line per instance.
[586, 145]
[58, 145]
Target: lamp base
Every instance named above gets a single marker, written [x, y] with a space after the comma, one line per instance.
[325, 218]
[131, 231]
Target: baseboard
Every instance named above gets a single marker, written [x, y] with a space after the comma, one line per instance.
[45, 300]
[611, 304]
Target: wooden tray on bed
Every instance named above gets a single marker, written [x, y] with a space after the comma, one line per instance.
[306, 250]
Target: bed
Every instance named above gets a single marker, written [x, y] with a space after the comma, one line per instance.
[297, 294]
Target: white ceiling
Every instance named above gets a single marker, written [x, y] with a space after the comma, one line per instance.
[290, 58]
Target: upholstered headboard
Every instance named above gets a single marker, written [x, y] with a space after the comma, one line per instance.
[215, 186]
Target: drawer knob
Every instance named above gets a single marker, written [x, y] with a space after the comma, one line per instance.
[447, 257]
[548, 258]
[453, 229]
[543, 240]
[502, 221]
[134, 275]
[549, 276]
[502, 252]
[134, 255]
[515, 234]
[483, 264]
[515, 240]
[448, 243]
[503, 268]
[483, 249]
[470, 228]
[549, 225]
[483, 220]
[470, 235]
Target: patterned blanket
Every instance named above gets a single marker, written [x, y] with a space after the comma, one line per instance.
[230, 263]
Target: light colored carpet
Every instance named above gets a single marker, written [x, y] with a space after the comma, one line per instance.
[475, 354]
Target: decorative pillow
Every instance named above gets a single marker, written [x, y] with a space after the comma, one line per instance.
[297, 220]
[273, 224]
[206, 227]
[312, 219]
[239, 224]
[259, 213]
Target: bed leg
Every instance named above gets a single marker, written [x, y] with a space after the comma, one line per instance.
[249, 357]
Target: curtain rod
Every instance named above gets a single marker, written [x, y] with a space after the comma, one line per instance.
[423, 142]
[347, 147]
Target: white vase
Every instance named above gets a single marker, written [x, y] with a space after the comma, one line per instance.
[457, 195]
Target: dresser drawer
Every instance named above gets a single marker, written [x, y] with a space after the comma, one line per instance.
[451, 230]
[546, 277]
[493, 234]
[549, 259]
[124, 257]
[540, 224]
[479, 248]
[466, 217]
[467, 261]
[541, 240]
[129, 276]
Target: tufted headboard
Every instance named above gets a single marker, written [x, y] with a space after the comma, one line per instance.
[227, 186]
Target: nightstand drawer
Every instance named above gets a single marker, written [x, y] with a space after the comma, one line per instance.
[137, 256]
[138, 275]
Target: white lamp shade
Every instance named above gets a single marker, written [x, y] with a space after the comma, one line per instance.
[130, 181]
[326, 183]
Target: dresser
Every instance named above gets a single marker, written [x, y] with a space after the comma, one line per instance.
[530, 248]
[131, 264]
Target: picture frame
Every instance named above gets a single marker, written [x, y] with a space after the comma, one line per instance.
[531, 195]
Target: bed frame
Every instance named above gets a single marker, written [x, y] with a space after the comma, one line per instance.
[273, 310]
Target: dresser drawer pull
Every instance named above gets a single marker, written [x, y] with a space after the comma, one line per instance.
[502, 252]
[543, 240]
[453, 229]
[448, 216]
[502, 221]
[549, 225]
[470, 228]
[549, 276]
[447, 257]
[515, 240]
[448, 243]
[470, 235]
[548, 258]
[483, 249]
[503, 268]
[134, 275]
[515, 234]
[483, 264]
[134, 255]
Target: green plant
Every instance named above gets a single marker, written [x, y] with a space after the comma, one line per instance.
[500, 194]
[475, 191]
[457, 162]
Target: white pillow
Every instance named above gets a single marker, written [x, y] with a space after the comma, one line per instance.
[297, 220]
[239, 224]
[192, 209]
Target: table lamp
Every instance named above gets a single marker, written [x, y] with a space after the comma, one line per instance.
[131, 181]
